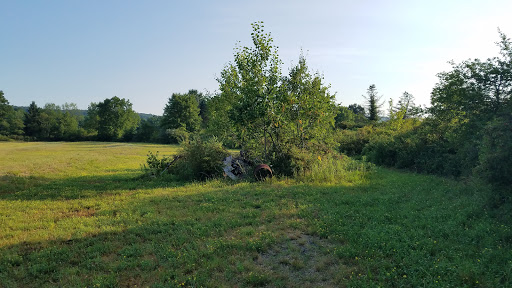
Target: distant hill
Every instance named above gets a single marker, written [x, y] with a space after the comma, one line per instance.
[143, 116]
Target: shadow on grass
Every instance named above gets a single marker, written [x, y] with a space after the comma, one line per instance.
[41, 188]
[204, 239]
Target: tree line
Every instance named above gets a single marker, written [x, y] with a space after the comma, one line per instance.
[290, 119]
[110, 120]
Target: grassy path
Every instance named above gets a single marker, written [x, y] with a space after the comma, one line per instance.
[77, 215]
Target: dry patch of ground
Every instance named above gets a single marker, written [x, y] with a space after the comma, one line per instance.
[303, 261]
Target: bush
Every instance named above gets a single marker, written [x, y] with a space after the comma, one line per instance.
[179, 135]
[198, 160]
[352, 142]
[496, 153]
[334, 168]
[156, 166]
[320, 167]
[202, 159]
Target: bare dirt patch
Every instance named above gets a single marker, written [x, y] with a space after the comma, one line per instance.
[302, 261]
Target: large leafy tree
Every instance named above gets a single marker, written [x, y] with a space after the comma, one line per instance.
[471, 95]
[218, 121]
[252, 83]
[202, 100]
[271, 113]
[475, 89]
[149, 130]
[112, 118]
[60, 122]
[182, 111]
[310, 108]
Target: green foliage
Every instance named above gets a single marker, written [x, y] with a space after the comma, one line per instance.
[267, 113]
[198, 160]
[309, 111]
[352, 142]
[202, 104]
[406, 104]
[466, 132]
[219, 123]
[112, 118]
[5, 111]
[33, 121]
[496, 152]
[156, 166]
[149, 131]
[202, 159]
[182, 110]
[11, 121]
[373, 106]
[357, 109]
[251, 86]
[178, 135]
[346, 118]
[86, 219]
[330, 168]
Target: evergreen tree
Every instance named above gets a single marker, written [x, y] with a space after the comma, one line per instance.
[5, 111]
[373, 105]
[33, 121]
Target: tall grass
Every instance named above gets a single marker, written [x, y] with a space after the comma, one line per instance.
[336, 170]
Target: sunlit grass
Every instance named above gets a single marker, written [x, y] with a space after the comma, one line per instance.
[79, 215]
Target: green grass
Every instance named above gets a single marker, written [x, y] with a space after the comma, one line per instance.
[80, 215]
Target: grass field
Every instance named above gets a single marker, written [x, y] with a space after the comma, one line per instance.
[80, 215]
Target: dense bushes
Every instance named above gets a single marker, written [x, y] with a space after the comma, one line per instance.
[496, 152]
[198, 160]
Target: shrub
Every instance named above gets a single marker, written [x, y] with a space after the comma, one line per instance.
[334, 168]
[156, 166]
[496, 153]
[198, 160]
[352, 142]
[202, 159]
[178, 135]
[320, 167]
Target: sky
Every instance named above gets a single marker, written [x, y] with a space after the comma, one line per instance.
[72, 51]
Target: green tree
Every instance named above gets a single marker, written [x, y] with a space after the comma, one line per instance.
[373, 105]
[33, 121]
[202, 104]
[344, 118]
[50, 122]
[182, 111]
[112, 118]
[219, 123]
[272, 115]
[471, 95]
[69, 122]
[351, 117]
[149, 130]
[252, 82]
[310, 109]
[5, 111]
[357, 109]
[406, 103]
[15, 120]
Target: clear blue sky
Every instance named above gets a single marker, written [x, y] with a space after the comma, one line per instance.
[86, 51]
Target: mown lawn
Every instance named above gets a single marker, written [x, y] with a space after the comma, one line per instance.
[80, 215]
